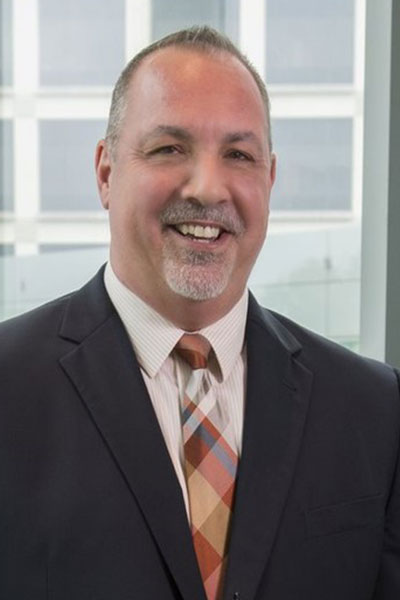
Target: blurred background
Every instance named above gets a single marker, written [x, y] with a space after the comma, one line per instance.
[58, 64]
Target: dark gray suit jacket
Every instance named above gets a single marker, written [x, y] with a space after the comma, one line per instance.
[90, 507]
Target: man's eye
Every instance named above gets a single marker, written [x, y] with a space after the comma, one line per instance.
[239, 155]
[166, 150]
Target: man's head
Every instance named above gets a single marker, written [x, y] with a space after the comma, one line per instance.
[202, 39]
[186, 176]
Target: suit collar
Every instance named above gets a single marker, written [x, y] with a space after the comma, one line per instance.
[86, 310]
[153, 337]
[90, 306]
[264, 319]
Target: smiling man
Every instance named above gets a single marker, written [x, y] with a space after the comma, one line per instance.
[187, 183]
[164, 437]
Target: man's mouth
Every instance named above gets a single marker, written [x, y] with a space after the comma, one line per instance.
[199, 232]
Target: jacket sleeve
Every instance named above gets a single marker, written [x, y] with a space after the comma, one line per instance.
[388, 581]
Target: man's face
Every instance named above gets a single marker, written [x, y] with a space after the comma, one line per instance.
[188, 188]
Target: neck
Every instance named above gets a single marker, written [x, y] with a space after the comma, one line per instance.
[189, 315]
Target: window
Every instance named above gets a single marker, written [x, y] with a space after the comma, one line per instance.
[316, 167]
[58, 64]
[178, 14]
[310, 42]
[67, 179]
[81, 43]
[6, 165]
[5, 43]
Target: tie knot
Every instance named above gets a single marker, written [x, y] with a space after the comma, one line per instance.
[194, 349]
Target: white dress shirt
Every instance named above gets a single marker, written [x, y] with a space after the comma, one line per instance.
[153, 339]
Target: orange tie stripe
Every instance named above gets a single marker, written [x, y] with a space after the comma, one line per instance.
[210, 465]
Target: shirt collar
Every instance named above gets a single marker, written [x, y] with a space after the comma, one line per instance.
[226, 335]
[153, 337]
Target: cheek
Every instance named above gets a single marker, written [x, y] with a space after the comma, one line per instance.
[135, 201]
[150, 192]
[254, 207]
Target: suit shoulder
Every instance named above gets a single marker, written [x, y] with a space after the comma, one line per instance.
[330, 357]
[26, 329]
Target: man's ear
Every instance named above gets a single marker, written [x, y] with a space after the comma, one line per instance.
[103, 172]
[273, 167]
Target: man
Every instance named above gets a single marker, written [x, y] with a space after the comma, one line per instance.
[162, 436]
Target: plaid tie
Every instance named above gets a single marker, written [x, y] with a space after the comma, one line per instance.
[210, 465]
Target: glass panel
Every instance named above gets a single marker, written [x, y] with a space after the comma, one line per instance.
[32, 280]
[6, 165]
[313, 276]
[54, 248]
[314, 164]
[6, 249]
[81, 41]
[67, 174]
[5, 43]
[310, 41]
[177, 14]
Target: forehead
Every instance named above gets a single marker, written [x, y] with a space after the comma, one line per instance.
[178, 82]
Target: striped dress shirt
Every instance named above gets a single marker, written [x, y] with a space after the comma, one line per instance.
[153, 339]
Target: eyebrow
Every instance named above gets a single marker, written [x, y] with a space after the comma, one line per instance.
[176, 132]
[242, 136]
[183, 134]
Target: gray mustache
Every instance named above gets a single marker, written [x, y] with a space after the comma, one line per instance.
[187, 210]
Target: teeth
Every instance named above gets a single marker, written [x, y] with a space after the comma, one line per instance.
[198, 231]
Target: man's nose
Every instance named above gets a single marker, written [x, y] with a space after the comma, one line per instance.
[206, 181]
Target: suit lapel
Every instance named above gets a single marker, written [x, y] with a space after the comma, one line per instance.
[105, 373]
[278, 388]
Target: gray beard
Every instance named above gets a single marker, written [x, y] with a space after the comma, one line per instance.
[196, 275]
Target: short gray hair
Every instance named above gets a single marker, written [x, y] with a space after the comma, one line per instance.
[199, 38]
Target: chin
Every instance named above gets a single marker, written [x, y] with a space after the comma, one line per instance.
[196, 284]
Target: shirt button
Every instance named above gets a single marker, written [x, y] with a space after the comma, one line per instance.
[236, 596]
